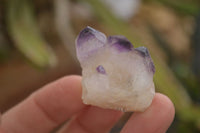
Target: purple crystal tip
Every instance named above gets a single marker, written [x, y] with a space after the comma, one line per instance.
[143, 51]
[88, 42]
[85, 35]
[120, 42]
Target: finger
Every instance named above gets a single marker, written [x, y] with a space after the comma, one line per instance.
[93, 120]
[46, 108]
[1, 130]
[156, 119]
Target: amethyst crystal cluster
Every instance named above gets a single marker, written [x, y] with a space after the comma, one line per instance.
[115, 74]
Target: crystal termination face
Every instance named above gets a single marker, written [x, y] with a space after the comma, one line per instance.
[115, 74]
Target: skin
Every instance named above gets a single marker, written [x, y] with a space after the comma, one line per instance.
[50, 106]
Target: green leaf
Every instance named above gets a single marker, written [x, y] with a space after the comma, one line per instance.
[26, 35]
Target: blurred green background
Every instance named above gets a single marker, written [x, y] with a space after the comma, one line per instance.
[37, 45]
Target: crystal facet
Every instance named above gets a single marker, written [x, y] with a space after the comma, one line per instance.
[115, 74]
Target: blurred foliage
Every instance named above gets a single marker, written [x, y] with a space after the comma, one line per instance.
[187, 7]
[177, 76]
[24, 31]
[196, 47]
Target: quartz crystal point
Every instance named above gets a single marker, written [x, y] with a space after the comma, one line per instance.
[115, 74]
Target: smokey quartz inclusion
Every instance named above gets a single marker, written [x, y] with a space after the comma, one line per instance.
[115, 74]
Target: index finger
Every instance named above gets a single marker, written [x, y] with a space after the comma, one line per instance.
[46, 108]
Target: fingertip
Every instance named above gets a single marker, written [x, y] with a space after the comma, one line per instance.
[161, 110]
[164, 102]
[167, 110]
[157, 118]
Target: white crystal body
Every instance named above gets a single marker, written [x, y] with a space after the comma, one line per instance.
[127, 83]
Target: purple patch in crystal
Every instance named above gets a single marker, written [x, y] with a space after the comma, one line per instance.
[120, 42]
[100, 69]
[143, 51]
[152, 67]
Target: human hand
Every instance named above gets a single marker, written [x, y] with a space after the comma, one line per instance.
[59, 101]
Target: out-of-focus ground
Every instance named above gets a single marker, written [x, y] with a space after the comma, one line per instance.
[37, 40]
